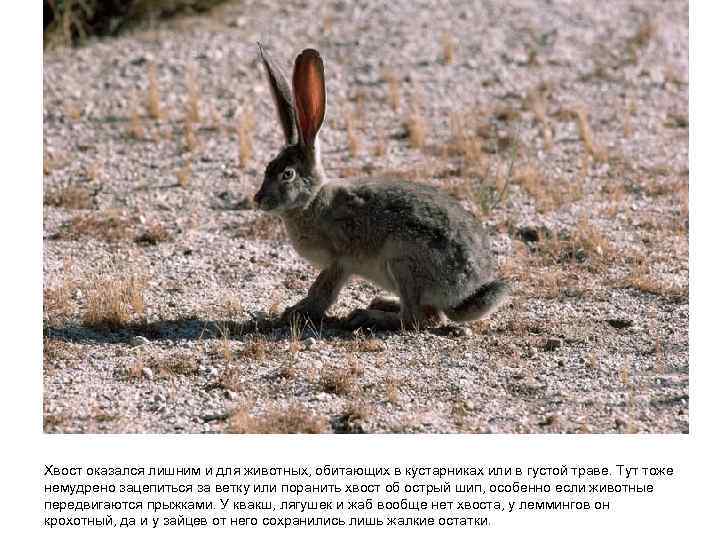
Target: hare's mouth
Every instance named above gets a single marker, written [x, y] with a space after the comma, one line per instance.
[266, 204]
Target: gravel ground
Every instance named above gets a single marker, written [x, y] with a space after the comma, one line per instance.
[162, 285]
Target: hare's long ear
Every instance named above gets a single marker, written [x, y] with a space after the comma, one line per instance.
[309, 92]
[282, 96]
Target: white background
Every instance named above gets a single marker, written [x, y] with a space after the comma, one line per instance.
[682, 508]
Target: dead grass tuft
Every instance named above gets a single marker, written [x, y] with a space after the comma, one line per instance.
[340, 380]
[181, 364]
[184, 175]
[189, 136]
[109, 226]
[595, 150]
[537, 103]
[192, 104]
[70, 196]
[393, 88]
[136, 130]
[365, 344]
[392, 390]
[352, 137]
[113, 302]
[642, 279]
[415, 127]
[57, 303]
[291, 419]
[245, 134]
[548, 195]
[154, 108]
[448, 48]
[153, 234]
[256, 349]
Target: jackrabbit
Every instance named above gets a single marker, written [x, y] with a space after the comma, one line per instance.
[412, 240]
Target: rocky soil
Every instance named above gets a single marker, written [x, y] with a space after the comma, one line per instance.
[562, 125]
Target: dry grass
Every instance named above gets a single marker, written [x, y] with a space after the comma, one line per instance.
[352, 138]
[245, 134]
[184, 175]
[392, 390]
[393, 88]
[153, 234]
[181, 364]
[224, 348]
[537, 103]
[380, 148]
[189, 137]
[154, 108]
[548, 194]
[340, 380]
[256, 349]
[70, 196]
[109, 226]
[584, 245]
[642, 37]
[192, 104]
[352, 417]
[57, 303]
[416, 127]
[448, 48]
[136, 130]
[72, 111]
[365, 344]
[113, 302]
[292, 419]
[595, 150]
[642, 279]
[466, 141]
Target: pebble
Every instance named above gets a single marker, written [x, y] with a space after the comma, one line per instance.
[309, 343]
[210, 371]
[553, 344]
[148, 373]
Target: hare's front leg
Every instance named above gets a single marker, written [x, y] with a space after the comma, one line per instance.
[321, 295]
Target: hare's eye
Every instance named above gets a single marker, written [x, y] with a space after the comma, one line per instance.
[288, 174]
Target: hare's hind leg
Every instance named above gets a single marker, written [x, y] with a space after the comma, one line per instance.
[321, 295]
[407, 313]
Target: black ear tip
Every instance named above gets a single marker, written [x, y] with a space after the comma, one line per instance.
[311, 53]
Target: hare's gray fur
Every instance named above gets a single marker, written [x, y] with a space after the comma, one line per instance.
[410, 239]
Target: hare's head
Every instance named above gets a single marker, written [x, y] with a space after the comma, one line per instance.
[293, 178]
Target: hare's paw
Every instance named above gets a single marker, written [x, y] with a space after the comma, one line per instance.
[389, 304]
[373, 318]
[305, 309]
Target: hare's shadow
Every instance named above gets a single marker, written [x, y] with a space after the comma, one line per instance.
[194, 329]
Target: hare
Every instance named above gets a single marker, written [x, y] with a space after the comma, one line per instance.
[409, 239]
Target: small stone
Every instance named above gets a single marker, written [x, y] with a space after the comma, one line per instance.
[229, 394]
[309, 343]
[137, 341]
[553, 344]
[148, 373]
[469, 405]
[210, 371]
[619, 323]
[158, 398]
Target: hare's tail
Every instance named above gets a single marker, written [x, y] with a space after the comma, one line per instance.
[481, 303]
